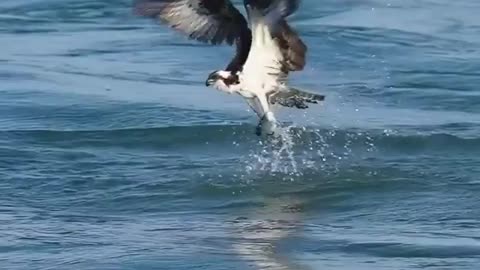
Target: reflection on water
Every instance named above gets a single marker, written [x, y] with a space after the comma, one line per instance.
[262, 234]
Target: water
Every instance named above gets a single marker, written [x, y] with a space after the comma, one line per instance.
[113, 155]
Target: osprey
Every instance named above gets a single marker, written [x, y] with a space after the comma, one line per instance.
[265, 52]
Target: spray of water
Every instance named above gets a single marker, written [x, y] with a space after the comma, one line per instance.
[275, 154]
[299, 150]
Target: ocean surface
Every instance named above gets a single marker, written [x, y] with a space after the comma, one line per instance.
[114, 154]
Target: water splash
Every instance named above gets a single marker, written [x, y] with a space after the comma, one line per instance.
[277, 154]
[299, 150]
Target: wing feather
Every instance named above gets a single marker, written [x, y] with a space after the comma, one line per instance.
[209, 21]
[294, 97]
[293, 49]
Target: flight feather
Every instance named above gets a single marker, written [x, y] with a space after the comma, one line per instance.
[209, 21]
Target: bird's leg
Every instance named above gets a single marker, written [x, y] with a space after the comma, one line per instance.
[267, 121]
[267, 114]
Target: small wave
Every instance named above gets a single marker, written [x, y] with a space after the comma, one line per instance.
[300, 138]
[300, 153]
[67, 10]
[391, 250]
[133, 137]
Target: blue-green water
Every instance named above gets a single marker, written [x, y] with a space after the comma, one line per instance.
[114, 155]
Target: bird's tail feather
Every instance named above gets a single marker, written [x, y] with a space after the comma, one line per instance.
[294, 97]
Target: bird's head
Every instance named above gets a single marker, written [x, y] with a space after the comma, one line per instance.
[222, 79]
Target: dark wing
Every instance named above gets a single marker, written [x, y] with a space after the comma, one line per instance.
[208, 21]
[292, 47]
[283, 8]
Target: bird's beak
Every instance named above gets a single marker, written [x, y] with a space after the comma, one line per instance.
[212, 78]
[209, 82]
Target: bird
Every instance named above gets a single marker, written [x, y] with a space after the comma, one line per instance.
[267, 49]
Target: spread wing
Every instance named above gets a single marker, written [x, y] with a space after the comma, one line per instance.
[292, 48]
[276, 51]
[208, 21]
[276, 48]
